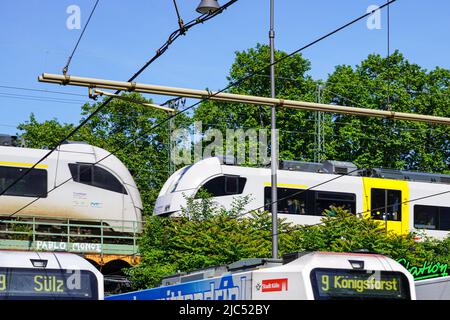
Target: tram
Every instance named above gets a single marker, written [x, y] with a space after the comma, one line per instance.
[26, 275]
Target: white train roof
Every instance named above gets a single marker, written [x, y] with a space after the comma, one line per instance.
[337, 260]
[60, 260]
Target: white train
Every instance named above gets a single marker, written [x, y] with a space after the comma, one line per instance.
[104, 191]
[404, 200]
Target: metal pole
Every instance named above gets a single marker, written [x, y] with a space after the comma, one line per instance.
[274, 140]
[171, 164]
[238, 98]
[320, 150]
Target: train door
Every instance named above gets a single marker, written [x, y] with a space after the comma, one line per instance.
[386, 200]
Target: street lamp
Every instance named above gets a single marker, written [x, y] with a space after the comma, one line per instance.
[208, 6]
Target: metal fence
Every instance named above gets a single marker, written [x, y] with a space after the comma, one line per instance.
[89, 236]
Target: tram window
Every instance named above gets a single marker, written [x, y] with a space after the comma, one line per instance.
[386, 202]
[431, 217]
[95, 176]
[225, 186]
[34, 184]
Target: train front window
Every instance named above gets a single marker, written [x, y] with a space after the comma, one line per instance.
[95, 176]
[225, 186]
[34, 184]
[386, 204]
[85, 173]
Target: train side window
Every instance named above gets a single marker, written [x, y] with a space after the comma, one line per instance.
[426, 217]
[324, 200]
[308, 202]
[431, 217]
[444, 218]
[386, 202]
[290, 201]
[225, 186]
[34, 184]
[95, 176]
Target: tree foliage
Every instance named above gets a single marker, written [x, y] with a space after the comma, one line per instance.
[377, 83]
[205, 235]
[294, 84]
[208, 235]
[372, 142]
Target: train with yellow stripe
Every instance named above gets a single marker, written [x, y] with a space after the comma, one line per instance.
[403, 200]
[77, 181]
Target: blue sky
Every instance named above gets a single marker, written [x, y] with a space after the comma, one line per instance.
[123, 35]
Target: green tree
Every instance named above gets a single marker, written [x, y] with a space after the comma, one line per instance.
[205, 235]
[372, 142]
[203, 240]
[368, 142]
[293, 82]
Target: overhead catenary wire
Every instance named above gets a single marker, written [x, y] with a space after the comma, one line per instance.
[69, 60]
[34, 97]
[41, 90]
[202, 100]
[174, 35]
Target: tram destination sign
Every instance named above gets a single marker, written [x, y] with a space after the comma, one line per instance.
[25, 283]
[358, 284]
[68, 246]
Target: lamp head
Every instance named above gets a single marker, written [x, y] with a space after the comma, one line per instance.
[208, 6]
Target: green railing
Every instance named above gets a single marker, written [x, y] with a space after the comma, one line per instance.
[57, 234]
